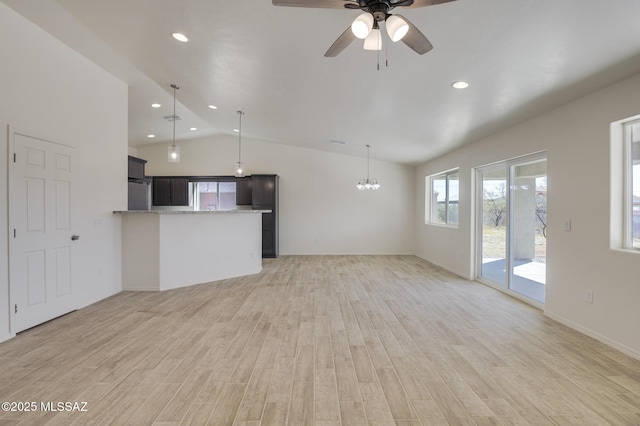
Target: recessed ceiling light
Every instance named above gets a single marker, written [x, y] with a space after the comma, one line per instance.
[155, 105]
[460, 85]
[180, 37]
[193, 128]
[151, 136]
[213, 107]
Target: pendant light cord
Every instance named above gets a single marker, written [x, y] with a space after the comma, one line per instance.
[368, 146]
[174, 114]
[240, 114]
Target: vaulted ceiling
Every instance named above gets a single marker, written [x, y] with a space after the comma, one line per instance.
[520, 58]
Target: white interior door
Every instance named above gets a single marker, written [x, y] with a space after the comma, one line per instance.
[41, 240]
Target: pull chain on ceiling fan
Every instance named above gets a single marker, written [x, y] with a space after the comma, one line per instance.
[367, 25]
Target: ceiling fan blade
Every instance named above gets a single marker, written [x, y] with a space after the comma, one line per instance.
[423, 3]
[322, 4]
[415, 39]
[341, 43]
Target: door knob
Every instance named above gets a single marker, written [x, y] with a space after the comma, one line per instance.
[75, 237]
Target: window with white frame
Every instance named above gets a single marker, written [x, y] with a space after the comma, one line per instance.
[632, 185]
[442, 198]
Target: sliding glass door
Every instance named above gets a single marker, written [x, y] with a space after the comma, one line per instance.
[493, 224]
[528, 229]
[512, 221]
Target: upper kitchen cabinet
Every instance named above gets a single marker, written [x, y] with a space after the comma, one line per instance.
[264, 189]
[136, 168]
[170, 191]
[243, 191]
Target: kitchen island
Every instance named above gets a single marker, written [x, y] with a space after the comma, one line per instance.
[163, 249]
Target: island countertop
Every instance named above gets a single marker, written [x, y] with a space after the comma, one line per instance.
[189, 211]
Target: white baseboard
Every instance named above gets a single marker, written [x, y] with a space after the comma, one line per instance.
[448, 268]
[599, 337]
[588, 332]
[5, 337]
[140, 289]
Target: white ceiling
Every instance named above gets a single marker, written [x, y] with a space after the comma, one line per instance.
[520, 57]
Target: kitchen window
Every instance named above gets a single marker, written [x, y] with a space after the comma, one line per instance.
[210, 196]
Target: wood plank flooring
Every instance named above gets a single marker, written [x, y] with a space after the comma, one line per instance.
[319, 340]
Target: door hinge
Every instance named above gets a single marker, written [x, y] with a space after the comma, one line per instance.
[16, 308]
[14, 232]
[14, 157]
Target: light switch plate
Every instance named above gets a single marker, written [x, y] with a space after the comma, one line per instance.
[588, 296]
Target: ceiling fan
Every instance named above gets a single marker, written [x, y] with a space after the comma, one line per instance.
[367, 25]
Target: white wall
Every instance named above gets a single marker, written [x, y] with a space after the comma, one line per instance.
[321, 211]
[50, 91]
[576, 139]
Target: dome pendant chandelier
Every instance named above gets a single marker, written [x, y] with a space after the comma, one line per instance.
[368, 183]
[239, 165]
[173, 153]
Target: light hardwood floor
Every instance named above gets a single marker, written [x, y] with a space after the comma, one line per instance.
[324, 340]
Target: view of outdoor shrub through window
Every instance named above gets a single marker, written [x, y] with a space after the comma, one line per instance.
[445, 198]
[495, 212]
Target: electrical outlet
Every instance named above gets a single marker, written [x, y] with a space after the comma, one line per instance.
[567, 225]
[588, 296]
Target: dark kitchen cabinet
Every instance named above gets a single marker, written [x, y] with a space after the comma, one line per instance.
[264, 189]
[269, 232]
[138, 185]
[179, 192]
[170, 191]
[161, 191]
[243, 191]
[136, 167]
[264, 196]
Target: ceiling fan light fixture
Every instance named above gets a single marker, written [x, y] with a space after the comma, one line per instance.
[373, 40]
[396, 27]
[362, 25]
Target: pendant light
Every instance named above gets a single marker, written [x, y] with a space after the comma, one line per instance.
[173, 153]
[368, 183]
[239, 165]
